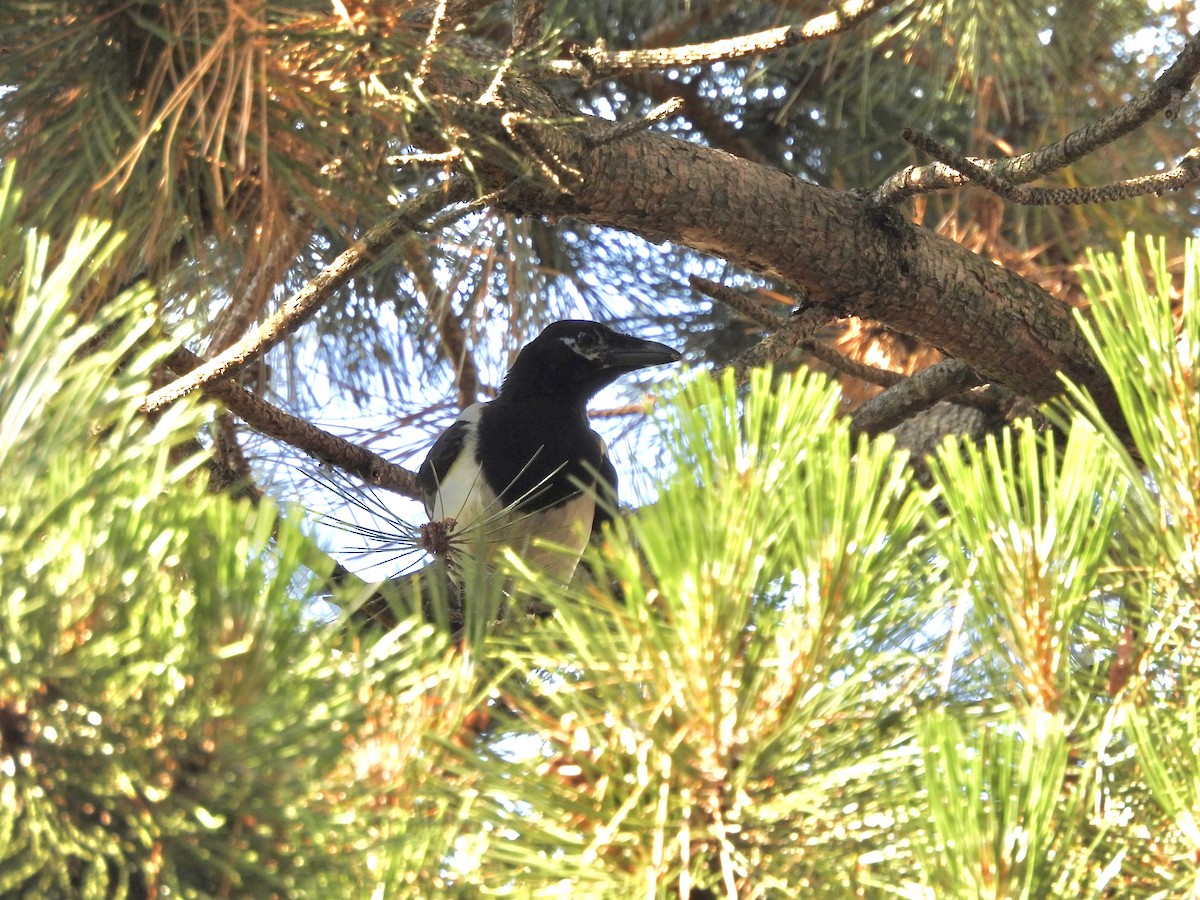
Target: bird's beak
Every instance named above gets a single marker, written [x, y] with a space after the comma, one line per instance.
[635, 353]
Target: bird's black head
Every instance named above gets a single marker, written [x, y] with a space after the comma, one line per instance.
[576, 359]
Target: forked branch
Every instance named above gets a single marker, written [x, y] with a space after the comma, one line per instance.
[1164, 95]
[1184, 174]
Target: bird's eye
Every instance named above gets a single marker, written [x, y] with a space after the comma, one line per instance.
[586, 340]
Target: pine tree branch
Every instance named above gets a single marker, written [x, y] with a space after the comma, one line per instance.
[745, 307]
[527, 24]
[453, 338]
[1165, 94]
[231, 466]
[795, 331]
[839, 246]
[451, 334]
[698, 111]
[852, 367]
[742, 304]
[275, 423]
[598, 62]
[1187, 172]
[784, 335]
[913, 394]
[305, 303]
[660, 113]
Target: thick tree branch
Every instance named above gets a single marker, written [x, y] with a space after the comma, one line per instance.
[835, 245]
[305, 303]
[275, 423]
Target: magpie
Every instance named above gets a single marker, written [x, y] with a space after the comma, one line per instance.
[526, 467]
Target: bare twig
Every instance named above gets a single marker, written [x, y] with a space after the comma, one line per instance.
[598, 62]
[852, 367]
[522, 130]
[453, 338]
[305, 303]
[913, 394]
[451, 334]
[1187, 172]
[232, 465]
[1163, 95]
[795, 331]
[698, 110]
[741, 303]
[637, 408]
[274, 422]
[660, 113]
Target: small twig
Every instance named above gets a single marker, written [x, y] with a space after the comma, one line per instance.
[451, 334]
[660, 113]
[797, 330]
[969, 169]
[1181, 176]
[305, 303]
[275, 423]
[543, 157]
[453, 338]
[699, 110]
[852, 367]
[435, 28]
[232, 465]
[638, 408]
[741, 303]
[599, 62]
[447, 156]
[1163, 95]
[912, 395]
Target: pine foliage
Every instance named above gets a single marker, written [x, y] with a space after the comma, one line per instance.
[172, 721]
[797, 671]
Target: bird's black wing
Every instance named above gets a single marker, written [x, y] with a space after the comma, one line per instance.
[606, 488]
[441, 457]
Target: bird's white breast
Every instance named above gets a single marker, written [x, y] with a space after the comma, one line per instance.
[463, 493]
[566, 526]
[465, 496]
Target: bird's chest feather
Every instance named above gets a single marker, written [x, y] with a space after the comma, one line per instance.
[511, 475]
[536, 454]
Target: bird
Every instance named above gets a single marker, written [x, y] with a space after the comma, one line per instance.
[526, 467]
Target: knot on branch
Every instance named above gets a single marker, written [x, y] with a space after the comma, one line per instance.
[593, 60]
[525, 133]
